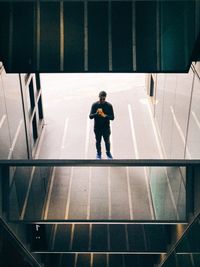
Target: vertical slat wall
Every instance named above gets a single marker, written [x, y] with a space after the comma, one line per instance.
[146, 45]
[23, 26]
[73, 36]
[49, 36]
[121, 31]
[172, 35]
[97, 36]
[4, 33]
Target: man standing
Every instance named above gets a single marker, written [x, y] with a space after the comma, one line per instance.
[102, 113]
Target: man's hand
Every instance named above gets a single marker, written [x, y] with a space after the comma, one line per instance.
[100, 112]
[103, 114]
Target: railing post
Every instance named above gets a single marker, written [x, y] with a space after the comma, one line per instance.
[5, 189]
[189, 192]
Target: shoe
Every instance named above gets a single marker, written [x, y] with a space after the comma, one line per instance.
[98, 156]
[109, 156]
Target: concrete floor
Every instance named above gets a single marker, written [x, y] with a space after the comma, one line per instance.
[68, 131]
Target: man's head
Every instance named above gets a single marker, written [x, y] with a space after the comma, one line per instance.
[102, 96]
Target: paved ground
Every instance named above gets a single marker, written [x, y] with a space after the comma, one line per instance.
[68, 129]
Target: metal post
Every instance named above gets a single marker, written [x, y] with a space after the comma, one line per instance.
[189, 191]
[4, 175]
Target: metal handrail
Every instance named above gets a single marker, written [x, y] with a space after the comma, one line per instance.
[175, 245]
[96, 163]
[18, 244]
[100, 221]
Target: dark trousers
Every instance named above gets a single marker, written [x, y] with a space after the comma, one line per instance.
[106, 136]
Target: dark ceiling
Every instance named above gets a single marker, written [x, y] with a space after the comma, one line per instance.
[98, 36]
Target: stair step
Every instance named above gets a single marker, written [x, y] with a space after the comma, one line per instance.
[100, 238]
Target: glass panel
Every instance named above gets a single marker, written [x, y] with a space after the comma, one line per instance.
[193, 143]
[180, 113]
[173, 97]
[167, 119]
[183, 96]
[161, 80]
[4, 130]
[15, 117]
[168, 193]
[97, 193]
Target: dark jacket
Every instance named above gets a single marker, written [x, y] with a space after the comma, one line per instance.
[102, 122]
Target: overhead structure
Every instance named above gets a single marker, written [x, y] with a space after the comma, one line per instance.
[99, 36]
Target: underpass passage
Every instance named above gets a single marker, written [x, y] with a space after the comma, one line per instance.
[97, 194]
[100, 238]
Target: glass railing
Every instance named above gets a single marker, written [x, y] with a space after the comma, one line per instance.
[133, 206]
[96, 191]
[12, 251]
